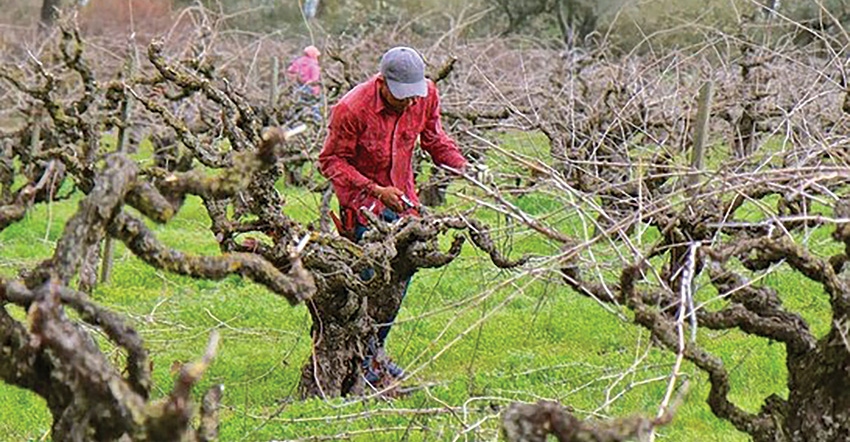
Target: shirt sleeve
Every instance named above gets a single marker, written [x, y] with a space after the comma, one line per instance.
[339, 149]
[312, 73]
[292, 70]
[441, 147]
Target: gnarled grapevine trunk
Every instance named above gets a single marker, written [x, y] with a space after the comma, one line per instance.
[818, 406]
[345, 321]
[348, 308]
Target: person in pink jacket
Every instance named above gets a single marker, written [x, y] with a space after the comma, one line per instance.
[368, 152]
[306, 72]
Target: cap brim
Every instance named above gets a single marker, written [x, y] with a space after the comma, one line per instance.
[407, 90]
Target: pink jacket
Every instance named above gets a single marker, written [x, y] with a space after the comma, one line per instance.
[306, 71]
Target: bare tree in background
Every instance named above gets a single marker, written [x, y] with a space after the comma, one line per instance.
[49, 12]
[577, 19]
[311, 7]
[574, 19]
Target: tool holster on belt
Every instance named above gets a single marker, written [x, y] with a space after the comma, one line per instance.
[347, 224]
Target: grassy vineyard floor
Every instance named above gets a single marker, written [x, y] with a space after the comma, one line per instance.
[473, 342]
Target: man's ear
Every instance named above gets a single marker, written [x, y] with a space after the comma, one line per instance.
[382, 84]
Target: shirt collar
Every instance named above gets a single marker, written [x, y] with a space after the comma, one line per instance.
[379, 102]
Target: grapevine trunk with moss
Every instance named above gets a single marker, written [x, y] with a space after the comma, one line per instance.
[345, 320]
[817, 408]
[362, 287]
[53, 351]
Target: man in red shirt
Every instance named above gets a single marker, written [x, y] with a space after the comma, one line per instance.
[368, 152]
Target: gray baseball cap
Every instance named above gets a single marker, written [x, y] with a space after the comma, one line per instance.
[404, 71]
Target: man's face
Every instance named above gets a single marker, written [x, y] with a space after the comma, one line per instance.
[398, 105]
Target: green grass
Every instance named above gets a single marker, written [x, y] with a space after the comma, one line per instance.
[476, 338]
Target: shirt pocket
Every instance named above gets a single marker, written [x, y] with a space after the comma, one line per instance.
[407, 139]
[375, 150]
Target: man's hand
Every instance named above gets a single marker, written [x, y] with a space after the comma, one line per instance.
[390, 196]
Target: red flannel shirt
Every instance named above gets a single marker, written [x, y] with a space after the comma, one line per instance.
[368, 143]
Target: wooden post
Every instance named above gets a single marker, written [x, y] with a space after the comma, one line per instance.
[120, 146]
[274, 90]
[35, 146]
[35, 137]
[49, 12]
[700, 135]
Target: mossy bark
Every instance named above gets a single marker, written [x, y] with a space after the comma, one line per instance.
[345, 320]
[818, 407]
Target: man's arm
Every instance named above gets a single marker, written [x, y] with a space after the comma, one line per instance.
[292, 70]
[441, 147]
[339, 148]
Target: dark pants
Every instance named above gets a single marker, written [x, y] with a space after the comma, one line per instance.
[368, 273]
[310, 104]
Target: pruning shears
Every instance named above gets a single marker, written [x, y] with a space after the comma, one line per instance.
[409, 204]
